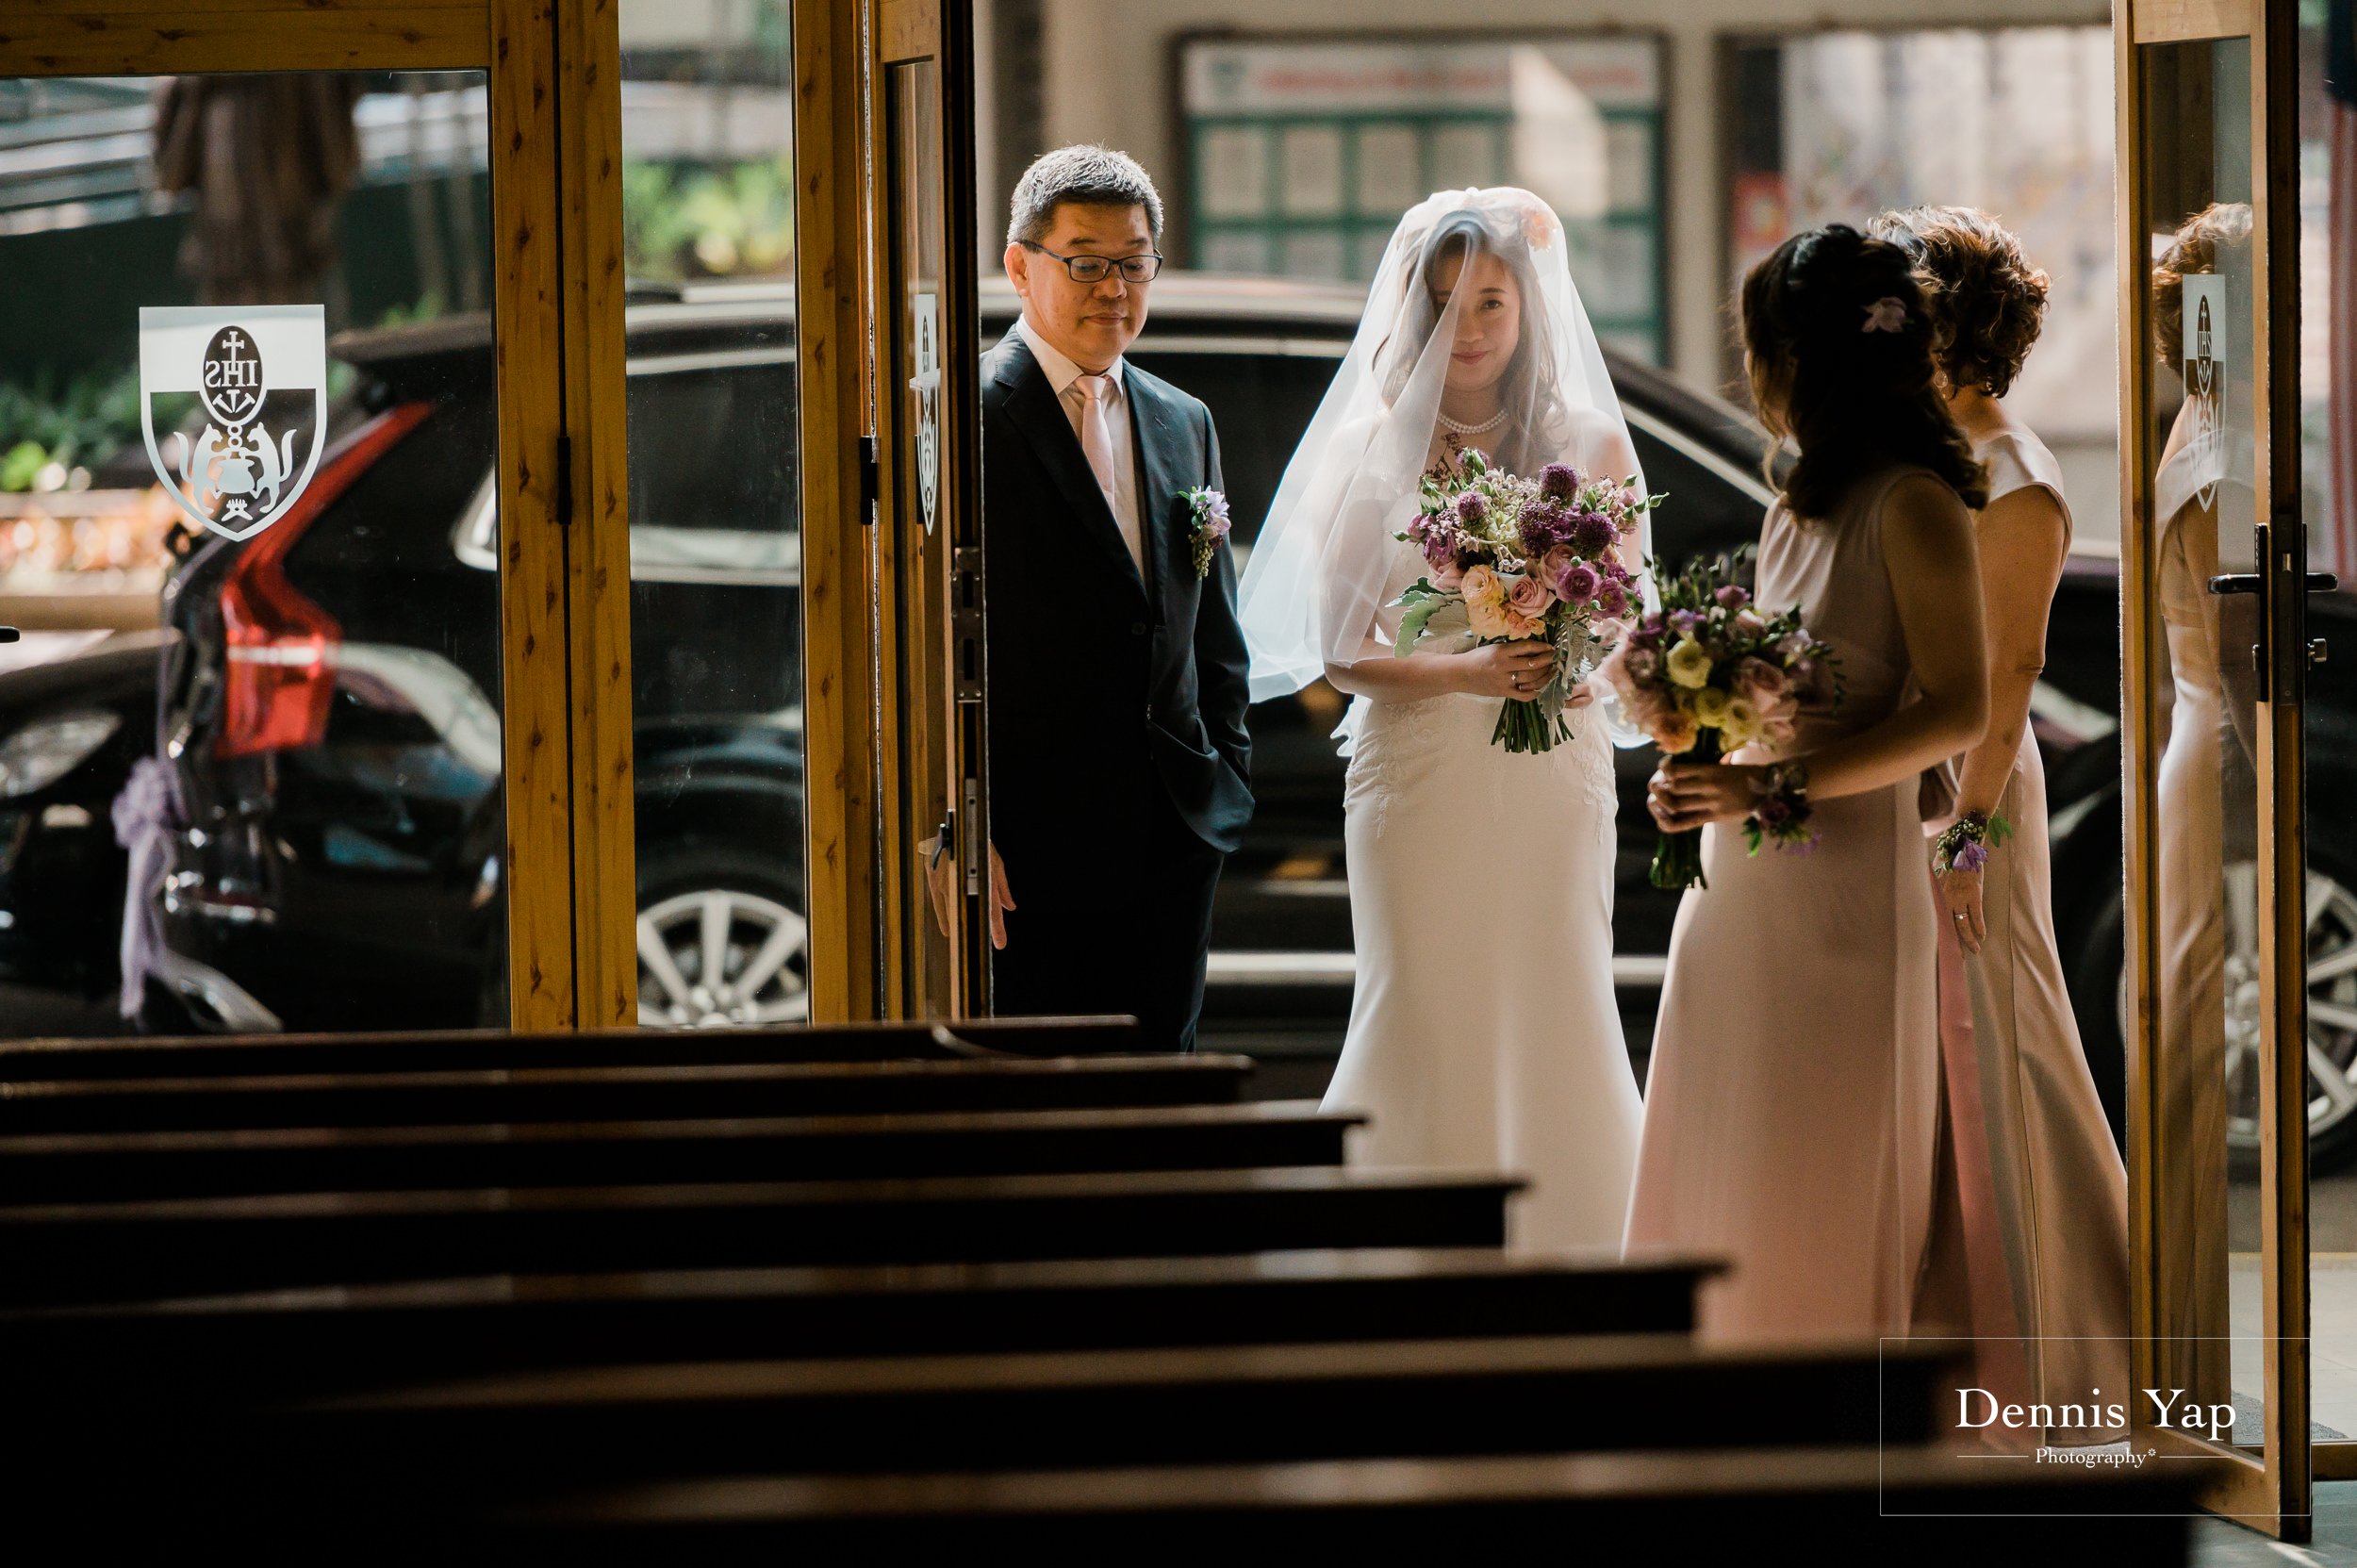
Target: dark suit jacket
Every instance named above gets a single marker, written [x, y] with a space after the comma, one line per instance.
[1102, 685]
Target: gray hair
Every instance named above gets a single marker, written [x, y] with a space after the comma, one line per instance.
[1091, 175]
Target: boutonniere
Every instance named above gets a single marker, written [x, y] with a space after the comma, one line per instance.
[1210, 527]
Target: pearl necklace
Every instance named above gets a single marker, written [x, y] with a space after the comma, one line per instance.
[1487, 425]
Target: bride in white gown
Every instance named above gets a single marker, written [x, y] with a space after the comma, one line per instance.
[1483, 1029]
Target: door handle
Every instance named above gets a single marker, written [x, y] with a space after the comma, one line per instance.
[2247, 581]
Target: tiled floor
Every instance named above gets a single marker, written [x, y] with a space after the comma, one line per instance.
[2333, 1335]
[2220, 1545]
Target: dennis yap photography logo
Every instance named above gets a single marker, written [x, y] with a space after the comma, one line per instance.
[259, 375]
[1978, 1410]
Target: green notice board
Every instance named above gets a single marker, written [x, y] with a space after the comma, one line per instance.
[1302, 154]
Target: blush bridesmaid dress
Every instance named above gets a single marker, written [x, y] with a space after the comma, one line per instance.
[2206, 799]
[2046, 1197]
[1792, 1109]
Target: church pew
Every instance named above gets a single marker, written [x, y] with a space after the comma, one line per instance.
[81, 1168]
[62, 1254]
[445, 1051]
[610, 1094]
[1817, 1504]
[481, 1443]
[106, 1364]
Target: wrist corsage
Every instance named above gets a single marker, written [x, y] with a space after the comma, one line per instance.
[1210, 527]
[1966, 845]
[1780, 810]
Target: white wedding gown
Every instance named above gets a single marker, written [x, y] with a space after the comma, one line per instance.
[1483, 1029]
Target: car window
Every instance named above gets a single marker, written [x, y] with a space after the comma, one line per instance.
[713, 469]
[712, 473]
[1259, 401]
[1262, 402]
[395, 518]
[1709, 510]
[379, 559]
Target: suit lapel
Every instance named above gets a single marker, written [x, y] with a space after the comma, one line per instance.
[1154, 437]
[1032, 406]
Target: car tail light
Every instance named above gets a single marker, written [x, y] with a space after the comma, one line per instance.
[281, 646]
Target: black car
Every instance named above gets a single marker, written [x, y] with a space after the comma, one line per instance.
[336, 857]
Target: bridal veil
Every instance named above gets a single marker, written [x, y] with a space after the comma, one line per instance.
[1317, 571]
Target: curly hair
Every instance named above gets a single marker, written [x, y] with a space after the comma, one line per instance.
[1839, 347]
[2214, 240]
[1987, 302]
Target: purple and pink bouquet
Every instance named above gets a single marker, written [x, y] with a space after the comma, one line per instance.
[1513, 558]
[1707, 674]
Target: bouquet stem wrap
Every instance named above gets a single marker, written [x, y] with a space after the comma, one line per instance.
[1677, 857]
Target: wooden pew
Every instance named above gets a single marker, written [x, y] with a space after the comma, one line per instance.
[1851, 1504]
[105, 1364]
[552, 1288]
[445, 1051]
[63, 1254]
[465, 1449]
[82, 1167]
[612, 1093]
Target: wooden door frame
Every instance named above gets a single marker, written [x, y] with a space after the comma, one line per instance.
[2274, 1492]
[902, 33]
[858, 847]
[842, 860]
[551, 74]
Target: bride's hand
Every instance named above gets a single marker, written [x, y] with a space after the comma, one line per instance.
[1512, 669]
[1686, 794]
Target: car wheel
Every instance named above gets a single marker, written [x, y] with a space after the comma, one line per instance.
[2332, 1044]
[720, 947]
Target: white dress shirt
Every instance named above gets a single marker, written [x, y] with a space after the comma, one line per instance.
[1061, 375]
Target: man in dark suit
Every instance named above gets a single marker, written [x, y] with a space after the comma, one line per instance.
[1119, 762]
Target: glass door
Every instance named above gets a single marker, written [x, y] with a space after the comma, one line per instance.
[285, 312]
[720, 900]
[934, 944]
[2214, 584]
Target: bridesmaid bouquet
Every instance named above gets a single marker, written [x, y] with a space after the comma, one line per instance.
[1706, 674]
[1514, 558]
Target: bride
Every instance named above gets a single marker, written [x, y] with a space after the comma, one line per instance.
[1483, 1029]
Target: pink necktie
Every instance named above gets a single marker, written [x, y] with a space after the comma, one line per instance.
[1097, 436]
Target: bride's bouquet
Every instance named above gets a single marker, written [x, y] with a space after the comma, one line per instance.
[1706, 674]
[1515, 558]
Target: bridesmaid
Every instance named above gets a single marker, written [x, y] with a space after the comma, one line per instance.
[1792, 1112]
[2037, 1160]
[2202, 503]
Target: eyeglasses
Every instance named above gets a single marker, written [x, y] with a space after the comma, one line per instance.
[1091, 269]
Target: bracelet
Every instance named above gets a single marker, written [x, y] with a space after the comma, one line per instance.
[1966, 845]
[1789, 780]
[1780, 810]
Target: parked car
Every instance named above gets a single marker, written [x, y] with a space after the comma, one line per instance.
[69, 732]
[326, 694]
